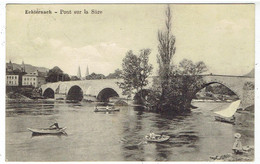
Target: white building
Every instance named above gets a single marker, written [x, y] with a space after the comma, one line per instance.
[35, 79]
[13, 76]
[12, 80]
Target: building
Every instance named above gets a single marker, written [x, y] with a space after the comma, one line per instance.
[12, 80]
[79, 73]
[14, 76]
[35, 79]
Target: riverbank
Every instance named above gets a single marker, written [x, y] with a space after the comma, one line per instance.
[247, 155]
[211, 100]
[28, 100]
[24, 99]
[245, 126]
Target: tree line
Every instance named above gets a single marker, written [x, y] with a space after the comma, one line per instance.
[56, 74]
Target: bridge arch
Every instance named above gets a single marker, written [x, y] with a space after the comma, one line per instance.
[106, 93]
[48, 93]
[234, 92]
[75, 93]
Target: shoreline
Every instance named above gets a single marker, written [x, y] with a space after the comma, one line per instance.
[246, 156]
[53, 100]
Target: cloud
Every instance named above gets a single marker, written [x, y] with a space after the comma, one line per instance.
[38, 41]
[55, 43]
[101, 58]
[232, 26]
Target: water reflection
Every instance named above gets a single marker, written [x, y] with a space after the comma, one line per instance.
[46, 135]
[117, 136]
[133, 138]
[30, 109]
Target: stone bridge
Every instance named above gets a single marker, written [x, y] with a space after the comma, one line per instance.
[238, 84]
[103, 89]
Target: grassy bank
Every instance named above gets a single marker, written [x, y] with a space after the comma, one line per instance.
[247, 155]
[245, 126]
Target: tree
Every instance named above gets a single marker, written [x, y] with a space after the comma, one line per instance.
[74, 78]
[115, 75]
[166, 49]
[136, 70]
[94, 76]
[66, 77]
[54, 74]
[186, 81]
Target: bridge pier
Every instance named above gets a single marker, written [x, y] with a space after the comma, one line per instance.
[60, 96]
[248, 98]
[89, 98]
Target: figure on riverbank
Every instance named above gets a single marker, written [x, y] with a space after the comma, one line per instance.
[237, 147]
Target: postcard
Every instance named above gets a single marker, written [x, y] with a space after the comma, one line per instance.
[130, 82]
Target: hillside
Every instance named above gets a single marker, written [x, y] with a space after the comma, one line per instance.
[30, 68]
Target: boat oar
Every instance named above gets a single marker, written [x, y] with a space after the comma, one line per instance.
[64, 133]
[142, 142]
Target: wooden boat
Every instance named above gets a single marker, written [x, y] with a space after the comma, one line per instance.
[48, 130]
[227, 120]
[158, 138]
[106, 109]
[227, 115]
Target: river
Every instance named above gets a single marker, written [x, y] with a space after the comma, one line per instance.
[117, 136]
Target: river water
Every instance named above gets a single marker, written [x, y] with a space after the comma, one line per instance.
[117, 136]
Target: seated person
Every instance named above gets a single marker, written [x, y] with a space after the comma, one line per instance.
[152, 135]
[55, 126]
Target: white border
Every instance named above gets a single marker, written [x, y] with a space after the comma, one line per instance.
[2, 60]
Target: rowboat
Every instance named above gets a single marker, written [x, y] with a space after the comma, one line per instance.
[106, 109]
[226, 120]
[157, 138]
[48, 130]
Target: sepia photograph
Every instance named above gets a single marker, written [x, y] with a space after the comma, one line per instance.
[130, 82]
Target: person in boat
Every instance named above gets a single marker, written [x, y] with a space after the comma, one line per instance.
[152, 135]
[107, 107]
[55, 126]
[237, 147]
[161, 136]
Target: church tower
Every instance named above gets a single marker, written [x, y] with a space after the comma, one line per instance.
[23, 67]
[87, 72]
[79, 73]
[9, 67]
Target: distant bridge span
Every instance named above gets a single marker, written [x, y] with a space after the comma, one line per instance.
[102, 89]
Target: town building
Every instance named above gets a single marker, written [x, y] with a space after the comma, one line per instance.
[35, 79]
[14, 76]
[12, 80]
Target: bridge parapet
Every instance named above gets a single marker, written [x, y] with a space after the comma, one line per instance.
[93, 87]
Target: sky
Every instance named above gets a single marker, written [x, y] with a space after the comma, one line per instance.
[220, 35]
